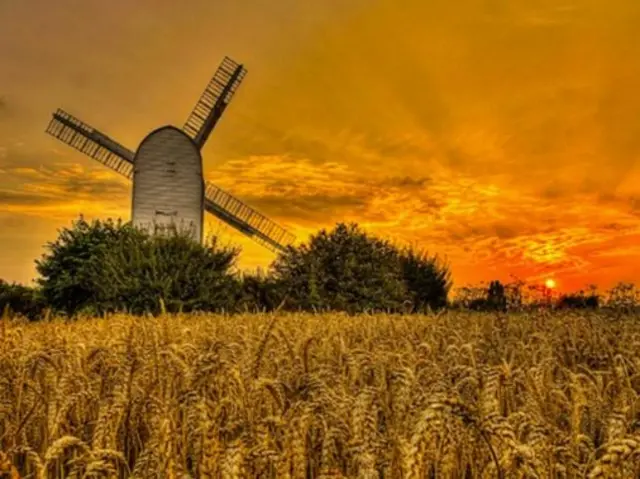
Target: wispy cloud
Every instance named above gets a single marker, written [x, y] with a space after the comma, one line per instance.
[62, 189]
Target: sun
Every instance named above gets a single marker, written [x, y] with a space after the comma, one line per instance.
[550, 283]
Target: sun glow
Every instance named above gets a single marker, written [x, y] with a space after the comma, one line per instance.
[550, 283]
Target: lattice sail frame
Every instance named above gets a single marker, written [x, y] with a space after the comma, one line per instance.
[77, 134]
[244, 218]
[214, 100]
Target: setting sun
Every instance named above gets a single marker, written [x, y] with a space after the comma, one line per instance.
[550, 283]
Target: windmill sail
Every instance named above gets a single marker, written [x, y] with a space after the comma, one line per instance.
[199, 125]
[214, 100]
[245, 219]
[91, 142]
[218, 202]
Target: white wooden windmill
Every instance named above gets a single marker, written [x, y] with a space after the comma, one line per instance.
[166, 169]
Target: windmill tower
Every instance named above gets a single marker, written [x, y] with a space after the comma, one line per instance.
[166, 169]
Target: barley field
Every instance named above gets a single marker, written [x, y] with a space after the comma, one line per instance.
[455, 395]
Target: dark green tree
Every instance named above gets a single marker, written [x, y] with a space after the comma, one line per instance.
[496, 298]
[65, 278]
[107, 266]
[345, 270]
[427, 279]
[259, 292]
[485, 298]
[169, 271]
[578, 301]
[21, 300]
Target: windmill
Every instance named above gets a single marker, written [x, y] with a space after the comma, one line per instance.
[166, 169]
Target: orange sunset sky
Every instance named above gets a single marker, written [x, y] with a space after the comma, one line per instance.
[501, 134]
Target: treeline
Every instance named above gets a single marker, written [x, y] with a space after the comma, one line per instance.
[107, 266]
[517, 295]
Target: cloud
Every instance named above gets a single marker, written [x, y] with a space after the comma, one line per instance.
[478, 222]
[301, 191]
[11, 199]
[311, 209]
[61, 189]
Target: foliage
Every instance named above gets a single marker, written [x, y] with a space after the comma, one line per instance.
[171, 271]
[511, 297]
[108, 266]
[259, 292]
[22, 300]
[495, 297]
[578, 301]
[66, 276]
[428, 281]
[342, 270]
[467, 296]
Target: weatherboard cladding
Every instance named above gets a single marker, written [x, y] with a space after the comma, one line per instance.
[168, 186]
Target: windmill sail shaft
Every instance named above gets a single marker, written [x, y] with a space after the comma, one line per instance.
[214, 100]
[91, 142]
[246, 219]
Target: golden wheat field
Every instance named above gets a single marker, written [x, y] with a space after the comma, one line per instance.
[298, 396]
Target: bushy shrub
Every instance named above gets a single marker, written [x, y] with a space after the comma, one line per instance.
[111, 266]
[346, 269]
[259, 292]
[108, 266]
[342, 270]
[578, 301]
[494, 297]
[66, 279]
[21, 300]
[427, 279]
[169, 271]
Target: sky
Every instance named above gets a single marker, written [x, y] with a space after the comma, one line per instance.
[501, 135]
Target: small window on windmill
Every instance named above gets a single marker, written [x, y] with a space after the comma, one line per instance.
[166, 213]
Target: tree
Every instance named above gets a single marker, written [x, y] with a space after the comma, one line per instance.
[344, 269]
[578, 301]
[170, 271]
[22, 300]
[107, 266]
[259, 292]
[65, 278]
[428, 281]
[483, 298]
[496, 298]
